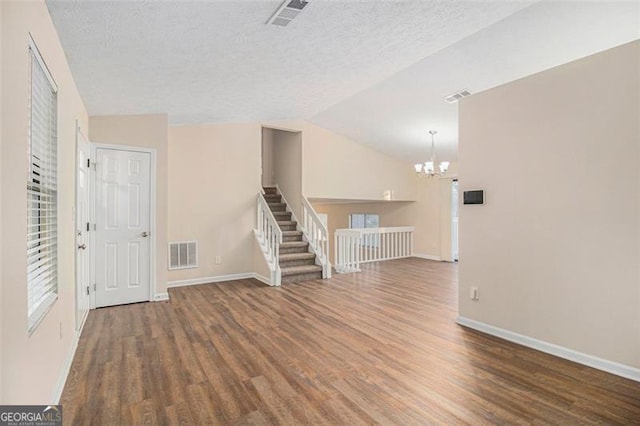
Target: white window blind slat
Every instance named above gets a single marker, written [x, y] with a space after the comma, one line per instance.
[42, 229]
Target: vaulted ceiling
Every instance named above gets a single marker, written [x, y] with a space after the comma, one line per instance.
[375, 71]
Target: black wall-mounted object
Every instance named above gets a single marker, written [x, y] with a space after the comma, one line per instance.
[473, 197]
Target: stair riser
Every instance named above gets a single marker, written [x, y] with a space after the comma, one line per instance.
[298, 262]
[290, 250]
[270, 190]
[302, 277]
[273, 198]
[287, 227]
[287, 239]
[282, 216]
[277, 208]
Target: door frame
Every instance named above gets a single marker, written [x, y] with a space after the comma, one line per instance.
[79, 287]
[95, 146]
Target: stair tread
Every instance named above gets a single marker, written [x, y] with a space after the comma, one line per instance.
[287, 222]
[287, 244]
[296, 256]
[291, 233]
[304, 269]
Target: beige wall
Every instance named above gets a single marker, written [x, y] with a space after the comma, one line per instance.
[391, 214]
[214, 178]
[267, 157]
[31, 365]
[430, 214]
[287, 167]
[147, 131]
[337, 167]
[555, 250]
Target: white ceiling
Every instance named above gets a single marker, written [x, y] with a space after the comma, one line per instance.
[394, 116]
[375, 71]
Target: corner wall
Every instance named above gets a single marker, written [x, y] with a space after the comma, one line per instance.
[287, 167]
[148, 131]
[430, 215]
[214, 178]
[334, 166]
[32, 365]
[555, 250]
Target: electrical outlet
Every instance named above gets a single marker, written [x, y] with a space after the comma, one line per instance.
[474, 294]
[218, 260]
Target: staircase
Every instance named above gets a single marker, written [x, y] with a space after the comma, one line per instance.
[296, 260]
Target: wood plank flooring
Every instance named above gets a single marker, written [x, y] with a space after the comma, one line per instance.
[378, 347]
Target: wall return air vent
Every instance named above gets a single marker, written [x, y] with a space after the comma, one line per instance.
[287, 11]
[183, 255]
[455, 97]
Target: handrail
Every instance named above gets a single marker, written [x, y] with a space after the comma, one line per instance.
[270, 237]
[387, 230]
[362, 245]
[317, 234]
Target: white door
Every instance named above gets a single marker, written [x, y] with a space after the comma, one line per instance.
[123, 226]
[83, 246]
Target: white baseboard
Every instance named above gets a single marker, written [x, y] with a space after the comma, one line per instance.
[550, 348]
[263, 279]
[208, 280]
[427, 256]
[66, 367]
[160, 297]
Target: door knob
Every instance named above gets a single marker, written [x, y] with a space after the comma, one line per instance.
[82, 247]
[145, 234]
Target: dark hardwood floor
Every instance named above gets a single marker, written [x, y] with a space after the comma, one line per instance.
[379, 346]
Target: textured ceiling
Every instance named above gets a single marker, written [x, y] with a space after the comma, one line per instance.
[217, 61]
[375, 71]
[395, 115]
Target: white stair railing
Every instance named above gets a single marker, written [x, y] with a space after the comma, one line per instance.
[357, 246]
[317, 235]
[269, 236]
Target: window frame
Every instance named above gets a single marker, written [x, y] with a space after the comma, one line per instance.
[368, 240]
[41, 189]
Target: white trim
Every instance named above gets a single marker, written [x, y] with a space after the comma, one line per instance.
[612, 367]
[36, 53]
[89, 233]
[262, 278]
[208, 280]
[427, 256]
[161, 297]
[219, 279]
[66, 367]
[95, 146]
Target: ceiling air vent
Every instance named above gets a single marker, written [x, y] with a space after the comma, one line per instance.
[287, 11]
[183, 255]
[455, 97]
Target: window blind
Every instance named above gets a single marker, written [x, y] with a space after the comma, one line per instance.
[42, 194]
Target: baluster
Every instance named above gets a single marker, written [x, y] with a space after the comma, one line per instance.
[404, 244]
[356, 241]
[395, 244]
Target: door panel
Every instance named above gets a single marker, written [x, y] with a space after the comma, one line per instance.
[123, 225]
[83, 246]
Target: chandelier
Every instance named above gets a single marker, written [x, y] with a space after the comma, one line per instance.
[432, 167]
